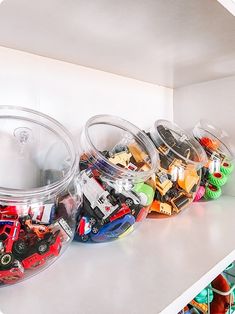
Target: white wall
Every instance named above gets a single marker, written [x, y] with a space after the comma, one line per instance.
[72, 93]
[213, 100]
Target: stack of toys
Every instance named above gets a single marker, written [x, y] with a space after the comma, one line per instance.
[217, 171]
[178, 177]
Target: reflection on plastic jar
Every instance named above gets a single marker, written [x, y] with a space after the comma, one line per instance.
[118, 162]
[38, 194]
[217, 171]
[178, 177]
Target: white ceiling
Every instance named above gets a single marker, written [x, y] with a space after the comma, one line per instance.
[168, 42]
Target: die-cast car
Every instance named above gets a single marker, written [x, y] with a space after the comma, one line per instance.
[13, 274]
[9, 233]
[101, 203]
[113, 230]
[44, 252]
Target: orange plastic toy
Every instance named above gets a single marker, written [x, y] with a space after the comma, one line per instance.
[209, 143]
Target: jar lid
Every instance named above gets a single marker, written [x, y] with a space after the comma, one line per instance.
[103, 132]
[37, 155]
[205, 131]
[178, 141]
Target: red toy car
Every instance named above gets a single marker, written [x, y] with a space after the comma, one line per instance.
[9, 233]
[13, 274]
[44, 252]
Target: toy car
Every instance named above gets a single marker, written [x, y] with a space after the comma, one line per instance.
[13, 274]
[9, 233]
[100, 202]
[29, 244]
[84, 228]
[44, 252]
[113, 230]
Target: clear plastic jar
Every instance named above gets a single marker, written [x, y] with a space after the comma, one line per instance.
[38, 194]
[117, 164]
[178, 177]
[216, 172]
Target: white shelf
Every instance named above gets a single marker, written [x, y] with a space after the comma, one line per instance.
[157, 269]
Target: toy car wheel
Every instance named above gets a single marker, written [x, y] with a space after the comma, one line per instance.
[42, 247]
[217, 178]
[92, 221]
[226, 168]
[212, 192]
[129, 202]
[19, 247]
[6, 260]
[95, 229]
[85, 238]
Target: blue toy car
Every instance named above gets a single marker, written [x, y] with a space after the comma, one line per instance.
[114, 229]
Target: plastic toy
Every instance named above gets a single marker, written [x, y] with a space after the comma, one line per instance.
[212, 192]
[220, 303]
[114, 229]
[117, 179]
[200, 193]
[178, 178]
[216, 172]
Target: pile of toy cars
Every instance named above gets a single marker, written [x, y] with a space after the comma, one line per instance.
[216, 172]
[30, 237]
[112, 207]
[178, 177]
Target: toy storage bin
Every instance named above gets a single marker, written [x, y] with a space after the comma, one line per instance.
[178, 177]
[220, 165]
[118, 161]
[38, 194]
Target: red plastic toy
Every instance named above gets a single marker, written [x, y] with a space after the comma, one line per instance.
[220, 303]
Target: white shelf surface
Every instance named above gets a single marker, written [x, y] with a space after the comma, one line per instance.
[157, 269]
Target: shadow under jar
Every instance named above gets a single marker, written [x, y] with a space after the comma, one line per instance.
[117, 164]
[220, 166]
[181, 160]
[38, 194]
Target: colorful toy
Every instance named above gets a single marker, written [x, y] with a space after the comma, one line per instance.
[26, 243]
[221, 303]
[118, 181]
[216, 172]
[178, 178]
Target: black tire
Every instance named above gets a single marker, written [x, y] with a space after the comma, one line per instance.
[92, 221]
[95, 229]
[129, 202]
[6, 260]
[85, 238]
[19, 247]
[42, 247]
[48, 237]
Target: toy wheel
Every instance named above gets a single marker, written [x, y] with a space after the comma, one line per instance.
[129, 202]
[95, 229]
[19, 247]
[6, 260]
[85, 238]
[212, 192]
[200, 193]
[42, 247]
[217, 178]
[226, 168]
[92, 221]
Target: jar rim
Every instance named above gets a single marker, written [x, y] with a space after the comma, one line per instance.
[197, 147]
[136, 132]
[42, 192]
